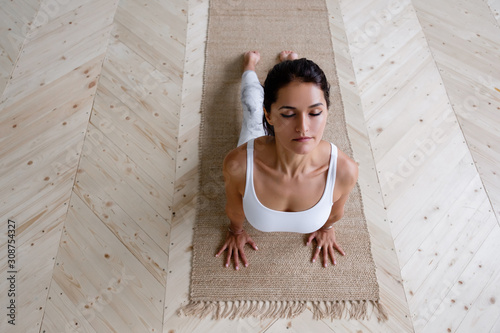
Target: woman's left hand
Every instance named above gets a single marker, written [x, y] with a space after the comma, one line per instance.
[326, 242]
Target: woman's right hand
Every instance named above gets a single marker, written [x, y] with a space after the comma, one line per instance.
[235, 244]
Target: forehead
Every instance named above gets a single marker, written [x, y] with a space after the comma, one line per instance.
[299, 93]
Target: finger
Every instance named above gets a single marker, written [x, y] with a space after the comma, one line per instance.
[221, 250]
[252, 244]
[236, 260]
[332, 255]
[243, 258]
[228, 258]
[310, 238]
[336, 246]
[316, 253]
[325, 256]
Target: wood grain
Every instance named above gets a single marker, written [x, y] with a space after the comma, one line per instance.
[99, 123]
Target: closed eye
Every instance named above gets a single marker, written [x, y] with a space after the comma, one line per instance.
[293, 114]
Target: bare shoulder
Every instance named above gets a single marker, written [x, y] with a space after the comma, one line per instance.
[235, 163]
[347, 170]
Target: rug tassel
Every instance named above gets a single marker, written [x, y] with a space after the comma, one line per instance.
[208, 309]
[259, 309]
[330, 307]
[301, 308]
[268, 310]
[228, 310]
[352, 309]
[337, 310]
[280, 310]
[297, 309]
[197, 309]
[318, 312]
[252, 307]
[380, 311]
[364, 311]
[292, 309]
[234, 310]
[240, 308]
[358, 310]
[274, 309]
[243, 309]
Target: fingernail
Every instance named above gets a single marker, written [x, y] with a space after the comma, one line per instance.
[227, 265]
[314, 260]
[237, 268]
[246, 265]
[216, 255]
[335, 263]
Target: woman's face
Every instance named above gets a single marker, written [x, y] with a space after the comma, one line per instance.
[299, 116]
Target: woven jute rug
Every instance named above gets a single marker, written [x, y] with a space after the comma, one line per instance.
[281, 281]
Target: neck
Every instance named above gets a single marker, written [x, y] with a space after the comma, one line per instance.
[290, 163]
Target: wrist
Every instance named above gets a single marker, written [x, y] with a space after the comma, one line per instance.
[235, 232]
[326, 228]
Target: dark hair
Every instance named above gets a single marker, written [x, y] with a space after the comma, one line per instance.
[302, 70]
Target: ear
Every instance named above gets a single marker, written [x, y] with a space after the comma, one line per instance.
[268, 116]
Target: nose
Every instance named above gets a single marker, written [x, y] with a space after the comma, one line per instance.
[302, 125]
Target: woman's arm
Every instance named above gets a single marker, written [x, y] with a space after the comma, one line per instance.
[234, 170]
[347, 176]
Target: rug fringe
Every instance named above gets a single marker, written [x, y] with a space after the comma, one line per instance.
[359, 310]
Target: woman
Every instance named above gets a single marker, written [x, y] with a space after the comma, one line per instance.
[289, 180]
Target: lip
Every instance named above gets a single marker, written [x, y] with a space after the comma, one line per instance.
[302, 139]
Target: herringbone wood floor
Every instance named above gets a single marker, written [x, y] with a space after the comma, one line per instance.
[98, 154]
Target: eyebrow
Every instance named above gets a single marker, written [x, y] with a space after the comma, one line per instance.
[294, 108]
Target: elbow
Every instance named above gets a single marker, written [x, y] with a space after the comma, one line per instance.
[337, 216]
[235, 215]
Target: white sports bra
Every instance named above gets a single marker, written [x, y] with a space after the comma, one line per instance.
[269, 220]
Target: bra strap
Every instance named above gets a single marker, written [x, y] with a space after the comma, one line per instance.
[332, 171]
[249, 171]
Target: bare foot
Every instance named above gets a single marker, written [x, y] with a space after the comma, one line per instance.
[250, 60]
[288, 55]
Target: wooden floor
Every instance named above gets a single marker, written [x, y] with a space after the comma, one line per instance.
[99, 122]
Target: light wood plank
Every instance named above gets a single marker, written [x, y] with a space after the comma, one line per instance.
[127, 171]
[148, 188]
[476, 311]
[418, 81]
[383, 250]
[15, 23]
[463, 53]
[385, 94]
[496, 326]
[495, 9]
[434, 219]
[136, 137]
[107, 282]
[42, 64]
[91, 177]
[42, 134]
[145, 201]
[64, 311]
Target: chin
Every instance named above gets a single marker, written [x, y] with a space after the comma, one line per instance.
[303, 148]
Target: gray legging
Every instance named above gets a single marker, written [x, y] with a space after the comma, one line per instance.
[252, 98]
